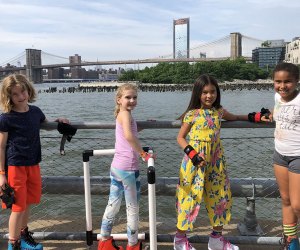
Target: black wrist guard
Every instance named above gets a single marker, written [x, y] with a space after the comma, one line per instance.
[8, 196]
[193, 155]
[256, 117]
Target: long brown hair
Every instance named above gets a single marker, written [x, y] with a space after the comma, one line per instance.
[195, 102]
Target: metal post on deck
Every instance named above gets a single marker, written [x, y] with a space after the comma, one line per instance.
[151, 200]
[90, 237]
[87, 194]
[87, 190]
[250, 226]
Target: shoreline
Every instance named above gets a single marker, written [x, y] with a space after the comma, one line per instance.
[158, 87]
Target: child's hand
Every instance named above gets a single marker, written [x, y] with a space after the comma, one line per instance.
[3, 181]
[146, 156]
[267, 118]
[202, 163]
[63, 120]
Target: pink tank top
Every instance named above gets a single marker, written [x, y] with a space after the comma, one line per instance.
[125, 157]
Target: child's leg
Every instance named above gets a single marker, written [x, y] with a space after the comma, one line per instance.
[218, 198]
[283, 182]
[287, 173]
[132, 186]
[218, 202]
[25, 217]
[15, 225]
[114, 203]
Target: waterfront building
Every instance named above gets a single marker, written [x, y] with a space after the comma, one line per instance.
[269, 54]
[292, 54]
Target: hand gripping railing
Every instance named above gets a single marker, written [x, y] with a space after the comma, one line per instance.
[90, 237]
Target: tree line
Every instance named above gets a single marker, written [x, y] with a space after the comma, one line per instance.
[185, 72]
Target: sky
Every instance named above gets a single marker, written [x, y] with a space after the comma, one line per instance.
[136, 29]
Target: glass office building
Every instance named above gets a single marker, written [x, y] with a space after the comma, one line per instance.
[270, 54]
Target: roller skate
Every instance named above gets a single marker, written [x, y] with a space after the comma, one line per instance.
[28, 242]
[182, 243]
[217, 242]
[289, 243]
[108, 244]
[14, 246]
[137, 246]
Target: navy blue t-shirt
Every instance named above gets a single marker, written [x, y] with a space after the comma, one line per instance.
[23, 146]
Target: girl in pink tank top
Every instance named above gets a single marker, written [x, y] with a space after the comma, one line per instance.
[124, 172]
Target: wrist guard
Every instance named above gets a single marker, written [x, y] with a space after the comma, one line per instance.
[193, 155]
[8, 196]
[256, 117]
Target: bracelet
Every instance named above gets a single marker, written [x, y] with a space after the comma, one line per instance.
[2, 172]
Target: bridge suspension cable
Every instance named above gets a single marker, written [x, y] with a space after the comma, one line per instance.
[205, 45]
[49, 54]
[16, 58]
[252, 38]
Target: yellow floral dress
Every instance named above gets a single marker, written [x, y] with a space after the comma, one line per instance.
[210, 182]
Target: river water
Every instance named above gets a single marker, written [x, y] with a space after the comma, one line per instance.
[99, 107]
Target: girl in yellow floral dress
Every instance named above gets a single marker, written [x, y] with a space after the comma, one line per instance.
[203, 172]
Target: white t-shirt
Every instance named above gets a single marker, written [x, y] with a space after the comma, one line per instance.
[287, 131]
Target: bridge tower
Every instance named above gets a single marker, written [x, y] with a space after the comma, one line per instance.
[33, 58]
[236, 45]
[181, 38]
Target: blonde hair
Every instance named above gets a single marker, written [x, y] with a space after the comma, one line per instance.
[8, 83]
[120, 92]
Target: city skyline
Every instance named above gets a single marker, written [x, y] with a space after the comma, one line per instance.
[135, 29]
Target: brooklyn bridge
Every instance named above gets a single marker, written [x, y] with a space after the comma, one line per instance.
[32, 61]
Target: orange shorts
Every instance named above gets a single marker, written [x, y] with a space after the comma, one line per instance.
[27, 184]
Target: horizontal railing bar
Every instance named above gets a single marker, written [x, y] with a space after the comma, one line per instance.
[165, 186]
[243, 240]
[153, 124]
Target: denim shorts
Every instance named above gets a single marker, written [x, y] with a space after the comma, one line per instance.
[292, 163]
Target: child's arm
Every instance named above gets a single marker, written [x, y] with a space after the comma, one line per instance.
[188, 149]
[3, 141]
[184, 130]
[124, 118]
[232, 117]
[264, 115]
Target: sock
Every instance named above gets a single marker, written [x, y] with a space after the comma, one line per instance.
[216, 232]
[290, 230]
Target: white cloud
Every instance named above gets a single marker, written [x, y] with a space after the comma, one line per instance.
[132, 29]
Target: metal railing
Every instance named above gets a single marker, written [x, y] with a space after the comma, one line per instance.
[61, 209]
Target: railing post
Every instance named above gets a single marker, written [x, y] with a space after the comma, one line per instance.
[152, 201]
[250, 226]
[87, 194]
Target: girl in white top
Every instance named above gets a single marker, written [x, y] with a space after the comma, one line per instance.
[286, 157]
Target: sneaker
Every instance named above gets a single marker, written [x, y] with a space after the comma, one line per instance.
[182, 244]
[28, 242]
[288, 243]
[137, 246]
[219, 243]
[108, 244]
[14, 246]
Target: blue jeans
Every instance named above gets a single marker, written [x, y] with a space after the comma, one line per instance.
[127, 182]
